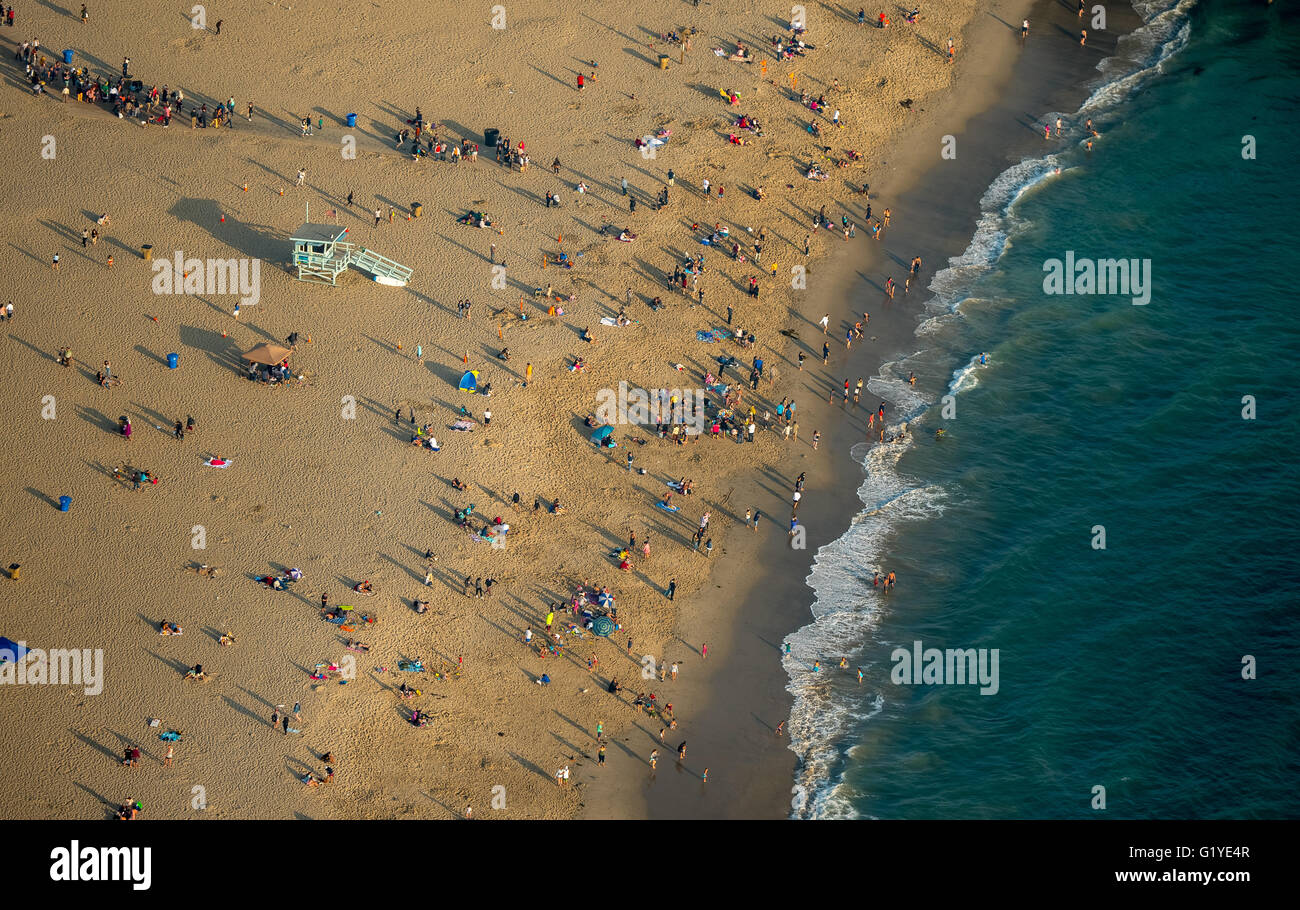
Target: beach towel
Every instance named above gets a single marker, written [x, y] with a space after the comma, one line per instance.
[613, 320]
[709, 337]
[668, 508]
[170, 736]
[464, 426]
[11, 650]
[217, 463]
[410, 666]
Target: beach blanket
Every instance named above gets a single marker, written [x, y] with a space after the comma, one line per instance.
[710, 337]
[613, 320]
[410, 666]
[464, 426]
[217, 463]
[668, 508]
[170, 736]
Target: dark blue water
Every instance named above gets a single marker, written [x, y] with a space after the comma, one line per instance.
[1122, 667]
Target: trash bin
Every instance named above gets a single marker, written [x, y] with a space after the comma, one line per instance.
[172, 361]
[15, 570]
[663, 62]
[67, 56]
[416, 210]
[352, 119]
[490, 137]
[147, 252]
[65, 503]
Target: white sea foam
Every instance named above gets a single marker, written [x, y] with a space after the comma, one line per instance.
[966, 377]
[848, 608]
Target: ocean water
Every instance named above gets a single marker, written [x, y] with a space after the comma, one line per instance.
[1118, 668]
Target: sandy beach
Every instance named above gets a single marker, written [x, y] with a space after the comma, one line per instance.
[322, 476]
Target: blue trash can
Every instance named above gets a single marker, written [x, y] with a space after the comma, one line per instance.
[172, 361]
[352, 119]
[67, 56]
[65, 503]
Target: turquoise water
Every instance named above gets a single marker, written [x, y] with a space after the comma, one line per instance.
[1119, 667]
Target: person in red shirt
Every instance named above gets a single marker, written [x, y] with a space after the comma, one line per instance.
[581, 81]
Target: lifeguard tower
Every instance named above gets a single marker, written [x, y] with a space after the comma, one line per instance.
[321, 255]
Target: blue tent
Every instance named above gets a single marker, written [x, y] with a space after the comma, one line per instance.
[601, 435]
[469, 382]
[10, 650]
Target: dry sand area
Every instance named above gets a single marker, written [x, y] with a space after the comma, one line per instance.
[348, 499]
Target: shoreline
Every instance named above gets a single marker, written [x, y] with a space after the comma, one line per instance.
[744, 690]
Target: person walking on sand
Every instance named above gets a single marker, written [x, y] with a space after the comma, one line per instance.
[654, 758]
[704, 652]
[378, 217]
[171, 750]
[672, 593]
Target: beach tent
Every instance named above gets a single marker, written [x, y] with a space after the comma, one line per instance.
[603, 626]
[11, 650]
[269, 354]
[601, 435]
[469, 382]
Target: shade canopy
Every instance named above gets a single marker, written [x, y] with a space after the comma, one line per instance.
[267, 353]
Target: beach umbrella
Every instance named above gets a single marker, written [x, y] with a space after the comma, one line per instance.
[605, 599]
[469, 381]
[269, 354]
[601, 435]
[602, 626]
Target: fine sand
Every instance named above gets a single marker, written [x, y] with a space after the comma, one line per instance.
[345, 498]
